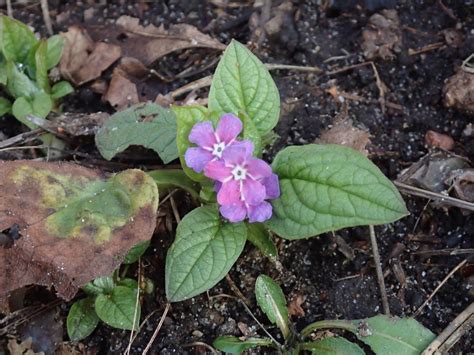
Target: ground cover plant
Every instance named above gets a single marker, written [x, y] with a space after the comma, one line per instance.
[145, 239]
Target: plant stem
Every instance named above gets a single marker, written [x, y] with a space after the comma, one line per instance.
[325, 324]
[378, 269]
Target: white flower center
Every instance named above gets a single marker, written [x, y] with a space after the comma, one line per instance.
[218, 149]
[239, 172]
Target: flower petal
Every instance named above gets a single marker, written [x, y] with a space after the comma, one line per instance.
[253, 191]
[236, 154]
[197, 158]
[216, 170]
[217, 186]
[229, 193]
[272, 186]
[228, 128]
[202, 134]
[258, 168]
[234, 213]
[248, 145]
[259, 213]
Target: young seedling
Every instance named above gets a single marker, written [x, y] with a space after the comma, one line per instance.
[383, 334]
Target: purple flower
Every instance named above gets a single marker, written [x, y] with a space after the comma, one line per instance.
[245, 182]
[211, 145]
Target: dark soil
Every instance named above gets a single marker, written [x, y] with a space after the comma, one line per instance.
[332, 285]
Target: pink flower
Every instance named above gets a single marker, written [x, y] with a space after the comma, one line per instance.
[244, 183]
[211, 145]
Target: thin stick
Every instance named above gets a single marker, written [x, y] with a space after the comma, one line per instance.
[271, 66]
[455, 329]
[9, 8]
[157, 330]
[448, 276]
[23, 147]
[200, 343]
[378, 269]
[137, 301]
[234, 288]
[452, 201]
[46, 17]
[175, 210]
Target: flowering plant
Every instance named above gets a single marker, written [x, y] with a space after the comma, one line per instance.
[308, 190]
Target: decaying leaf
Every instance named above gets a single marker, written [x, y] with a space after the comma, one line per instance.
[75, 224]
[294, 307]
[150, 43]
[383, 35]
[463, 183]
[122, 92]
[432, 171]
[83, 60]
[344, 133]
[459, 91]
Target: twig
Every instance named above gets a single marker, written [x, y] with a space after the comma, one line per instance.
[350, 67]
[427, 48]
[452, 201]
[157, 330]
[451, 334]
[380, 85]
[234, 288]
[271, 66]
[137, 301]
[448, 252]
[378, 269]
[46, 17]
[175, 210]
[200, 343]
[9, 8]
[21, 138]
[41, 146]
[448, 276]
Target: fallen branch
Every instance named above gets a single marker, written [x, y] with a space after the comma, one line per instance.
[378, 269]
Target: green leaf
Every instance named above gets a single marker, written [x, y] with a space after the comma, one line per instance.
[61, 89]
[385, 335]
[40, 106]
[41, 66]
[130, 283]
[148, 125]
[55, 50]
[82, 319]
[258, 235]
[233, 345]
[3, 70]
[17, 40]
[251, 133]
[272, 301]
[18, 83]
[329, 187]
[333, 346]
[203, 252]
[118, 309]
[186, 118]
[172, 178]
[5, 106]
[136, 252]
[241, 83]
[101, 285]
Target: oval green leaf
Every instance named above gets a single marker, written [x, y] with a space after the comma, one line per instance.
[172, 178]
[41, 66]
[118, 308]
[55, 50]
[272, 301]
[203, 252]
[241, 83]
[186, 118]
[136, 252]
[147, 125]
[329, 187]
[17, 39]
[233, 345]
[5, 106]
[258, 235]
[61, 89]
[81, 319]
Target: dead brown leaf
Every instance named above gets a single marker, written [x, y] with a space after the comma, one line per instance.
[382, 36]
[83, 60]
[122, 92]
[344, 133]
[74, 224]
[459, 91]
[150, 43]
[294, 307]
[463, 183]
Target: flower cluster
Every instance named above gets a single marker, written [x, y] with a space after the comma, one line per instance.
[243, 182]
